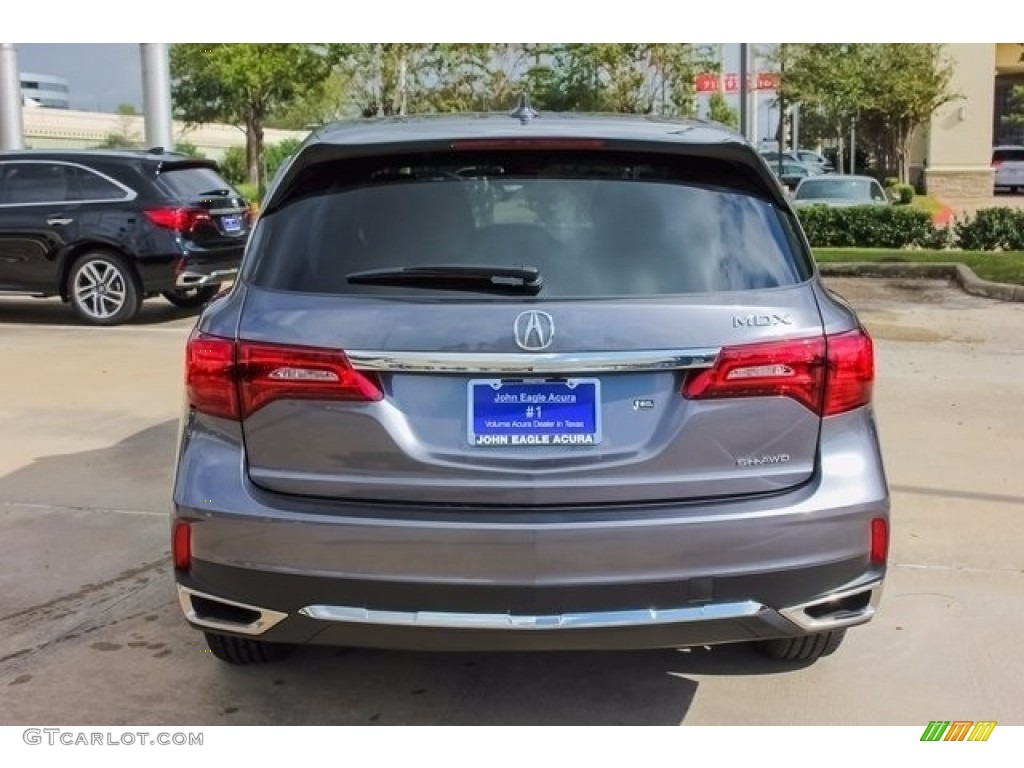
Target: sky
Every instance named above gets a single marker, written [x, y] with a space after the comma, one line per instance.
[101, 75]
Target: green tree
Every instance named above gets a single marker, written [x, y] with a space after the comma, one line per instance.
[126, 109]
[188, 148]
[233, 166]
[276, 154]
[917, 82]
[244, 84]
[329, 100]
[720, 111]
[839, 85]
[646, 78]
[831, 79]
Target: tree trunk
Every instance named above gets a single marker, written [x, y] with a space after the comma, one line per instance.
[902, 152]
[256, 172]
[839, 153]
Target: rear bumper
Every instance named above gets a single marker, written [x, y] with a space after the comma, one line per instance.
[194, 269]
[429, 577]
[722, 621]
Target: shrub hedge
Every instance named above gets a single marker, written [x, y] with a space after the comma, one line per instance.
[991, 229]
[886, 226]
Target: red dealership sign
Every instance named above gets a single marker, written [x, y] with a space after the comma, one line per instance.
[761, 81]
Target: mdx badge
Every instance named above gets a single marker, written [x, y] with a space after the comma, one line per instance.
[760, 321]
[535, 330]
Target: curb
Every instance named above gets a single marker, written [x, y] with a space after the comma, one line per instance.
[959, 273]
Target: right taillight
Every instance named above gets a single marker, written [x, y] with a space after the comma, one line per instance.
[827, 374]
[181, 545]
[851, 372]
[234, 379]
[879, 545]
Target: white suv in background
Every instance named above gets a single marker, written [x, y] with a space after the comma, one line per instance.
[1008, 164]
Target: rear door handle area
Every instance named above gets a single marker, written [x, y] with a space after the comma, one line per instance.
[59, 221]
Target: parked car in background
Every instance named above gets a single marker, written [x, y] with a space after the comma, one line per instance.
[793, 173]
[520, 382]
[839, 191]
[1008, 164]
[813, 158]
[105, 229]
[803, 157]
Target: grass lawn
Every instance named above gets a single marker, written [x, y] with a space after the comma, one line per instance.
[1004, 267]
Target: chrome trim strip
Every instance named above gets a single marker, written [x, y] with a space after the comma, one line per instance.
[130, 194]
[551, 362]
[797, 613]
[504, 621]
[267, 619]
[189, 279]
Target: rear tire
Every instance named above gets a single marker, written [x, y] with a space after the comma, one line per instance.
[103, 288]
[806, 648]
[191, 298]
[244, 650]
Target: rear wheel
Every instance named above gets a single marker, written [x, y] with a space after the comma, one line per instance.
[806, 648]
[190, 298]
[244, 650]
[103, 288]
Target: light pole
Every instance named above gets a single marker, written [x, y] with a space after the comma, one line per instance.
[744, 127]
[12, 130]
[156, 95]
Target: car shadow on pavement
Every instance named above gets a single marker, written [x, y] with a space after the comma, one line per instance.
[133, 474]
[52, 311]
[336, 686]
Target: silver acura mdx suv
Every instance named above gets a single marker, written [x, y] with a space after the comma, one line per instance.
[528, 382]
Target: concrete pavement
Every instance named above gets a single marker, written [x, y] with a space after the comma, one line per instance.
[90, 632]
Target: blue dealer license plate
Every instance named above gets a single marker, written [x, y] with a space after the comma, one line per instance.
[231, 223]
[558, 412]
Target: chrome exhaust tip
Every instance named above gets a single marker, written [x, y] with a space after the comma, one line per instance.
[212, 612]
[841, 609]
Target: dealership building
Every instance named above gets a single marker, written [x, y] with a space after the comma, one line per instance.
[952, 156]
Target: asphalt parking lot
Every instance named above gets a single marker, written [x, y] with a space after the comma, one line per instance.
[90, 632]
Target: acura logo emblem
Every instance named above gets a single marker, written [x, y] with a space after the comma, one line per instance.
[534, 330]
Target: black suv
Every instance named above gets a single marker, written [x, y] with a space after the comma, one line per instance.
[106, 229]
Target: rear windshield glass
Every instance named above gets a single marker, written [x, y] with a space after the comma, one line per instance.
[1008, 155]
[194, 183]
[592, 226]
[840, 189]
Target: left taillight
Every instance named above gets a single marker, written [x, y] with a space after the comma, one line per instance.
[827, 374]
[269, 372]
[234, 379]
[178, 219]
[210, 375]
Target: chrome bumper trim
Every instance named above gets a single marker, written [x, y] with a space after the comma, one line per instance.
[504, 621]
[267, 618]
[841, 618]
[577, 363]
[189, 279]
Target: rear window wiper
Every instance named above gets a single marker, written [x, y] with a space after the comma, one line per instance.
[456, 277]
[216, 193]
